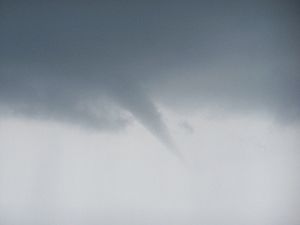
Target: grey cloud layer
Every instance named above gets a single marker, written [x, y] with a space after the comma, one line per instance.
[93, 63]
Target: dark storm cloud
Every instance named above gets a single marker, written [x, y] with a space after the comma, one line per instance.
[95, 62]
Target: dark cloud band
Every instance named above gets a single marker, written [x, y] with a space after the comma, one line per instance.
[93, 64]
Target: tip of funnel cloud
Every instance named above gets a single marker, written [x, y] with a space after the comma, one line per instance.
[170, 145]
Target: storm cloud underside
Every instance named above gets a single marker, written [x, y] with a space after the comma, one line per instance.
[96, 64]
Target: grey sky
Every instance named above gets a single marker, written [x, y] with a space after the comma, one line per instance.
[214, 79]
[59, 57]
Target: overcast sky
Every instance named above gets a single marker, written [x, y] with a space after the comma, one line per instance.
[149, 112]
